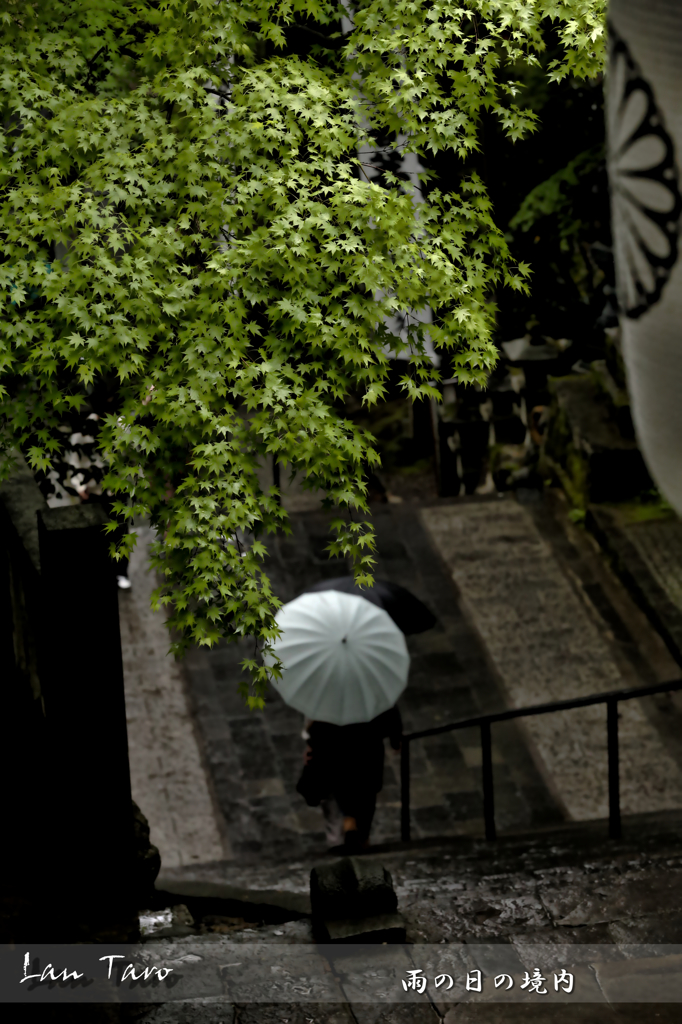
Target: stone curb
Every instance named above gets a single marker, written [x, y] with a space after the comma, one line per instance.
[635, 575]
[272, 906]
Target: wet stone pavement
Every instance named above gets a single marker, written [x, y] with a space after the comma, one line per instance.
[608, 912]
[254, 760]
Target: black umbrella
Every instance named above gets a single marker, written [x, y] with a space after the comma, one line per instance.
[407, 611]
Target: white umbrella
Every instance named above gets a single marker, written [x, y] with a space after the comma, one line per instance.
[344, 659]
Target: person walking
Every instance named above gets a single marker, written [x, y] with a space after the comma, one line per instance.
[344, 771]
[341, 659]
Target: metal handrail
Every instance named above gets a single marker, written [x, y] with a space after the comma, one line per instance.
[611, 699]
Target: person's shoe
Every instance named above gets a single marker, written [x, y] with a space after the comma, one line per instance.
[355, 842]
[353, 839]
[123, 583]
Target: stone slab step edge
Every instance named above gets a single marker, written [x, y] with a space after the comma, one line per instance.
[272, 906]
[653, 833]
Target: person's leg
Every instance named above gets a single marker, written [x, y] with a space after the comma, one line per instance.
[333, 822]
[358, 824]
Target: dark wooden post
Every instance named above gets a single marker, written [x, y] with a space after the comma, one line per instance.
[68, 859]
[81, 673]
[614, 769]
[23, 728]
[405, 829]
[487, 777]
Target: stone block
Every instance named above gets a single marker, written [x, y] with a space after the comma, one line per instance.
[353, 900]
[379, 928]
[351, 887]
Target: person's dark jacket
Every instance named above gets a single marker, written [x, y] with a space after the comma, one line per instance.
[347, 760]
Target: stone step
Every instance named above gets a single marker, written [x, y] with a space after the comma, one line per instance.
[564, 897]
[279, 892]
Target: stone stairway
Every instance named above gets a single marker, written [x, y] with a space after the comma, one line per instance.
[563, 896]
[567, 884]
[543, 611]
[526, 614]
[608, 912]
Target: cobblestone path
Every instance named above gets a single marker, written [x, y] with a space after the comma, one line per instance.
[218, 782]
[255, 759]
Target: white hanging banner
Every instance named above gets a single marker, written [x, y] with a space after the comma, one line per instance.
[644, 132]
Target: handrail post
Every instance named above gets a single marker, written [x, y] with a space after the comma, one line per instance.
[405, 790]
[487, 772]
[611, 699]
[614, 773]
